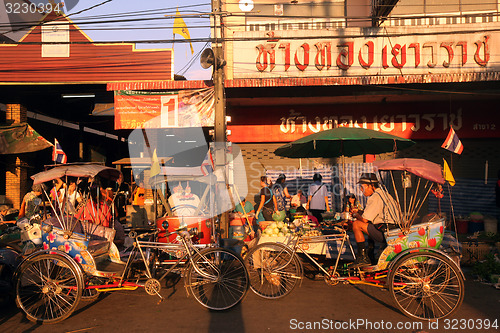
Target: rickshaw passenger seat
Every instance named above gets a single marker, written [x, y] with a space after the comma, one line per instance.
[100, 238]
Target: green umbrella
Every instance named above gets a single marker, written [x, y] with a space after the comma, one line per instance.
[343, 141]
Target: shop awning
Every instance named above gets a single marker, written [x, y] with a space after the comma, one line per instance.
[21, 138]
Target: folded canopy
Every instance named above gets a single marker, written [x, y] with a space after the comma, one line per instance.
[419, 167]
[76, 170]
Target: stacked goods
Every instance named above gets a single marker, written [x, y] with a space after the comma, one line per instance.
[277, 229]
[280, 229]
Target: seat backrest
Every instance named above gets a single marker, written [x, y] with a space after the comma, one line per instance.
[98, 230]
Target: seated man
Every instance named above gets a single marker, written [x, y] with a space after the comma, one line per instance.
[244, 207]
[298, 200]
[380, 211]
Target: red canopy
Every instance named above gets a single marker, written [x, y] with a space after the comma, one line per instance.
[418, 167]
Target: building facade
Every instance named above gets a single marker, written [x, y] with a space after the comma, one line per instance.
[413, 69]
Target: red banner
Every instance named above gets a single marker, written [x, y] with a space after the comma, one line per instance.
[425, 120]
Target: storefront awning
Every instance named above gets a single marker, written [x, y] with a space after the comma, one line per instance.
[21, 138]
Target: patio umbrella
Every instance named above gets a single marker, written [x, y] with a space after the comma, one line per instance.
[343, 141]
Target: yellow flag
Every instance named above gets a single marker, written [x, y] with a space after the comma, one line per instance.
[155, 165]
[180, 28]
[448, 176]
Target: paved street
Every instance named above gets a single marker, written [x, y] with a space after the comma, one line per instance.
[334, 307]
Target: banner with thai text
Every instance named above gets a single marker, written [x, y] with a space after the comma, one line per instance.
[174, 109]
[416, 120]
[367, 52]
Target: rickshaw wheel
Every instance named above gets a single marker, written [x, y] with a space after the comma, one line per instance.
[91, 294]
[273, 269]
[217, 278]
[48, 288]
[426, 285]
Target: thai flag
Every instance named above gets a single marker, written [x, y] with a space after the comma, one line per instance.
[58, 155]
[452, 143]
[207, 166]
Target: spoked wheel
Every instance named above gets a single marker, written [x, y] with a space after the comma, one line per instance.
[218, 279]
[48, 288]
[273, 269]
[426, 285]
[91, 294]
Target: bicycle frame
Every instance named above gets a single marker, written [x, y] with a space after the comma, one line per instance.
[185, 245]
[298, 242]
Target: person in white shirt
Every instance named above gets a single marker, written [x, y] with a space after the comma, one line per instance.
[71, 199]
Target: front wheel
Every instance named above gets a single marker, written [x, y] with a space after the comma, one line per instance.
[426, 285]
[217, 278]
[274, 270]
[48, 288]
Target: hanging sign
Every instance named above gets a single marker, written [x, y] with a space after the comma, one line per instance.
[174, 109]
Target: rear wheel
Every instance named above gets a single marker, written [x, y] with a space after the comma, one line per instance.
[48, 288]
[273, 269]
[91, 294]
[217, 279]
[426, 285]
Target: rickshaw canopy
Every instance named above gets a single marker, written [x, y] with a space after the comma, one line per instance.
[182, 174]
[419, 167]
[76, 170]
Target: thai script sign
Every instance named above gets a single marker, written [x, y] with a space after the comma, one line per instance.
[369, 51]
[414, 121]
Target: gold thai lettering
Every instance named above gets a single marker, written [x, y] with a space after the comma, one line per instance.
[444, 117]
[463, 46]
[346, 54]
[431, 63]
[323, 55]
[396, 51]
[456, 119]
[390, 56]
[416, 124]
[384, 57]
[403, 121]
[384, 123]
[302, 66]
[447, 46]
[287, 124]
[387, 123]
[362, 62]
[266, 51]
[316, 127]
[486, 52]
[430, 118]
[416, 50]
[286, 48]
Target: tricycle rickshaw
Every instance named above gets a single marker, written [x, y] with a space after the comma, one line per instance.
[78, 259]
[424, 281]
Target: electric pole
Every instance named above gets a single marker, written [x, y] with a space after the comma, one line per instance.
[220, 104]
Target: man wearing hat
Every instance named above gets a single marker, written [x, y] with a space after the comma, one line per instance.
[379, 212]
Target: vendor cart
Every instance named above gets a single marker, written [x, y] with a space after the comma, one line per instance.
[424, 281]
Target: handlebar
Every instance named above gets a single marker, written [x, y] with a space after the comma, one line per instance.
[180, 231]
[135, 234]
